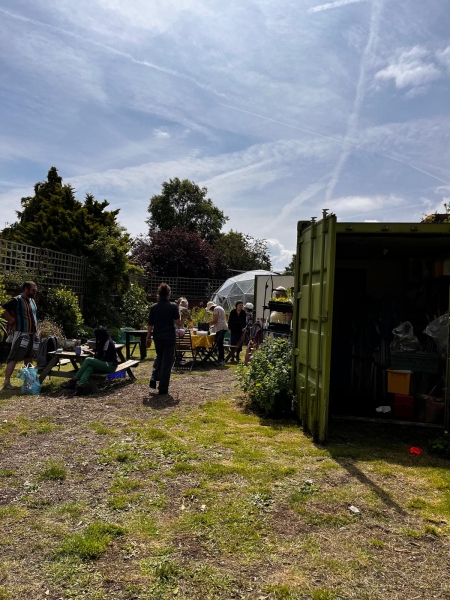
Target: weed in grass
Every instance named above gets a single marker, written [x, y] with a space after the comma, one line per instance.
[73, 509]
[12, 514]
[54, 470]
[280, 592]
[376, 543]
[432, 530]
[411, 532]
[303, 493]
[101, 429]
[38, 503]
[4, 594]
[166, 571]
[262, 500]
[92, 543]
[124, 485]
[45, 427]
[417, 503]
[143, 525]
[7, 473]
[323, 594]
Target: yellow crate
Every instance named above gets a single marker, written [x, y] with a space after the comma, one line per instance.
[398, 382]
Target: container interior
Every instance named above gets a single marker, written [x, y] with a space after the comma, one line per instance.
[382, 281]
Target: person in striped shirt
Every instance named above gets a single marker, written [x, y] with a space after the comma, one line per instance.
[21, 316]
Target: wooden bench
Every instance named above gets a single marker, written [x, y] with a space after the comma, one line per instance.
[125, 366]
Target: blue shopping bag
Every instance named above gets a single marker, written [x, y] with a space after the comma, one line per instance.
[29, 376]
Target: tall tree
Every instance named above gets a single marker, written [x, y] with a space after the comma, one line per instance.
[290, 269]
[183, 204]
[53, 218]
[243, 252]
[178, 253]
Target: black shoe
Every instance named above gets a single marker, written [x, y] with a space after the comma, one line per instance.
[163, 392]
[69, 385]
[152, 384]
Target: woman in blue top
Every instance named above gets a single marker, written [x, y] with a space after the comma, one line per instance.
[102, 360]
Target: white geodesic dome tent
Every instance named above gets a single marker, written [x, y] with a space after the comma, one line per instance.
[240, 287]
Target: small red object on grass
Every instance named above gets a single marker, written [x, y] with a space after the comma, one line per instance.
[415, 450]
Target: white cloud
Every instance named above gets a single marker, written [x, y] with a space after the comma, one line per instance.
[443, 57]
[414, 67]
[371, 221]
[364, 204]
[280, 256]
[160, 133]
[329, 5]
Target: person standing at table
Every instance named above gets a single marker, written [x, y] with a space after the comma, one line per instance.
[21, 316]
[236, 324]
[219, 321]
[162, 318]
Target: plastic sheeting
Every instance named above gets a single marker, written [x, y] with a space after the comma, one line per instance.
[404, 339]
[438, 330]
[240, 287]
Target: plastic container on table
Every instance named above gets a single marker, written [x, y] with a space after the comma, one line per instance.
[399, 382]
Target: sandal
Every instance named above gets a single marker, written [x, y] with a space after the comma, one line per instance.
[8, 387]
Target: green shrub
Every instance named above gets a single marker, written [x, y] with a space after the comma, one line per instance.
[62, 308]
[134, 311]
[267, 378]
[54, 470]
[200, 315]
[84, 332]
[47, 327]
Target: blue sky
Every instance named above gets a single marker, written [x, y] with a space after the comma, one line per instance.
[279, 108]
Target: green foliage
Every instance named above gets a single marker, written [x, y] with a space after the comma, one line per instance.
[84, 332]
[290, 269]
[199, 314]
[108, 276]
[3, 298]
[53, 218]
[47, 327]
[92, 543]
[135, 307]
[440, 446]
[62, 308]
[243, 252]
[54, 470]
[184, 204]
[266, 380]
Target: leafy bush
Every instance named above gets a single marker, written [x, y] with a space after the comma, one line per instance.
[135, 307]
[440, 446]
[47, 327]
[267, 378]
[199, 314]
[115, 333]
[62, 308]
[3, 298]
[84, 332]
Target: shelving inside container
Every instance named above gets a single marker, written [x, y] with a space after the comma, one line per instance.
[382, 281]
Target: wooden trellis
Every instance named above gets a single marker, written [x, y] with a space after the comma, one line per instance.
[47, 267]
[192, 288]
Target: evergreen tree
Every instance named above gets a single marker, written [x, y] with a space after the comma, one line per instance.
[53, 218]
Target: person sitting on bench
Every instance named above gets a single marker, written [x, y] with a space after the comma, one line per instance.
[102, 360]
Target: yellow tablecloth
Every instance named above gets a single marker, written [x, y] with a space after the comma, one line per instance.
[206, 341]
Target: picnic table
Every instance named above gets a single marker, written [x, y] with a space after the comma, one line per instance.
[51, 370]
[140, 333]
[206, 347]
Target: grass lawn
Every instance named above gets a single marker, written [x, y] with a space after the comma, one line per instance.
[130, 496]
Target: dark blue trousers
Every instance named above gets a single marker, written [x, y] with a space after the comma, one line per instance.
[162, 366]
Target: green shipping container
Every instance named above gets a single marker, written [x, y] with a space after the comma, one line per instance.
[339, 265]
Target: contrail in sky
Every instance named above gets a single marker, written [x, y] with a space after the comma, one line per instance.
[352, 125]
[329, 5]
[113, 50]
[344, 142]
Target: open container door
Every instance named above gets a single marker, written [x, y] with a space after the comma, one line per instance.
[314, 287]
